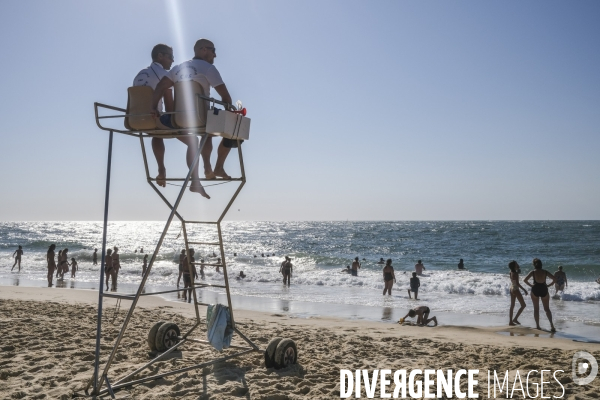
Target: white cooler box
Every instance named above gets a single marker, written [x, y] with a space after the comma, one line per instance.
[227, 124]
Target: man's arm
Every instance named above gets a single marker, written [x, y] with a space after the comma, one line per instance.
[223, 92]
[164, 84]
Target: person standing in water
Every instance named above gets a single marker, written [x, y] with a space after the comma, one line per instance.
[388, 277]
[108, 266]
[415, 284]
[74, 267]
[17, 255]
[95, 257]
[116, 267]
[51, 263]
[515, 293]
[461, 264]
[539, 290]
[58, 266]
[419, 268]
[561, 280]
[355, 267]
[188, 268]
[145, 266]
[286, 270]
[181, 258]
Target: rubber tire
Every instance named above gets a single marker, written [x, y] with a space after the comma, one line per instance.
[152, 335]
[270, 352]
[286, 349]
[166, 337]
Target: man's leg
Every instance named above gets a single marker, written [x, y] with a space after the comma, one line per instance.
[222, 153]
[158, 148]
[206, 152]
[192, 147]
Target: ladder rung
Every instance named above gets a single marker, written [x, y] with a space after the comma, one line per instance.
[210, 243]
[207, 265]
[199, 222]
[201, 179]
[203, 285]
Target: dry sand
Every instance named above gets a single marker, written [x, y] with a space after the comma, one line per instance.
[47, 346]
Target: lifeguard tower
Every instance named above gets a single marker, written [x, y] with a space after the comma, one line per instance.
[195, 114]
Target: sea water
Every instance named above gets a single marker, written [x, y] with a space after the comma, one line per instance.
[321, 250]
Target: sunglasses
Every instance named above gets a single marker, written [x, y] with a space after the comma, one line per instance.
[213, 49]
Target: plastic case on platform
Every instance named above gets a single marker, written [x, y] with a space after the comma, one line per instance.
[227, 124]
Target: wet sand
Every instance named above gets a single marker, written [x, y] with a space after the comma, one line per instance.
[49, 339]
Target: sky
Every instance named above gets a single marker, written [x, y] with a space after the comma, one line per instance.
[387, 110]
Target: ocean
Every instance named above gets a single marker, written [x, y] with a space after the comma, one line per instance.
[320, 250]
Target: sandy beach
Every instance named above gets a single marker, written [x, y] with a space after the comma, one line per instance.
[49, 337]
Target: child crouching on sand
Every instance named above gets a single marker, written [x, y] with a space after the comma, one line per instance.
[422, 314]
[74, 267]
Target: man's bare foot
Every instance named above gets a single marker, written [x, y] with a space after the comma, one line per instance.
[553, 329]
[160, 178]
[197, 187]
[209, 174]
[220, 173]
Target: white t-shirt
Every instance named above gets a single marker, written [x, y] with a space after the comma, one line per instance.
[197, 70]
[150, 77]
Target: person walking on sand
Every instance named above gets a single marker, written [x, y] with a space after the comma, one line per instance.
[419, 268]
[181, 258]
[17, 255]
[355, 266]
[286, 270]
[561, 280]
[388, 277]
[415, 284]
[145, 266]
[51, 263]
[515, 293]
[74, 267]
[422, 314]
[539, 290]
[108, 266]
[116, 267]
[95, 257]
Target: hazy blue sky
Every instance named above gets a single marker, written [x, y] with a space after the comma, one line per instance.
[395, 110]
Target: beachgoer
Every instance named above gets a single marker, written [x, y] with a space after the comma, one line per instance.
[51, 263]
[218, 266]
[63, 264]
[422, 314]
[58, 261]
[74, 267]
[17, 256]
[381, 261]
[188, 266]
[235, 254]
[116, 267]
[286, 270]
[262, 255]
[419, 268]
[95, 257]
[141, 250]
[181, 258]
[461, 264]
[347, 270]
[388, 277]
[598, 280]
[539, 290]
[201, 70]
[355, 267]
[145, 266]
[415, 284]
[561, 281]
[515, 293]
[242, 275]
[202, 268]
[108, 266]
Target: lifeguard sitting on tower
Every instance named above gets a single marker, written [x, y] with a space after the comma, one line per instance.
[201, 70]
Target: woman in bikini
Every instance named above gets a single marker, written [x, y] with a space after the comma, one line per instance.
[51, 263]
[58, 260]
[108, 266]
[388, 277]
[539, 290]
[515, 293]
[64, 263]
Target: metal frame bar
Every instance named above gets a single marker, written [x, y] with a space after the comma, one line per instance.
[172, 133]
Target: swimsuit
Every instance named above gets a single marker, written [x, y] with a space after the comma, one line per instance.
[539, 289]
[560, 281]
[387, 276]
[427, 311]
